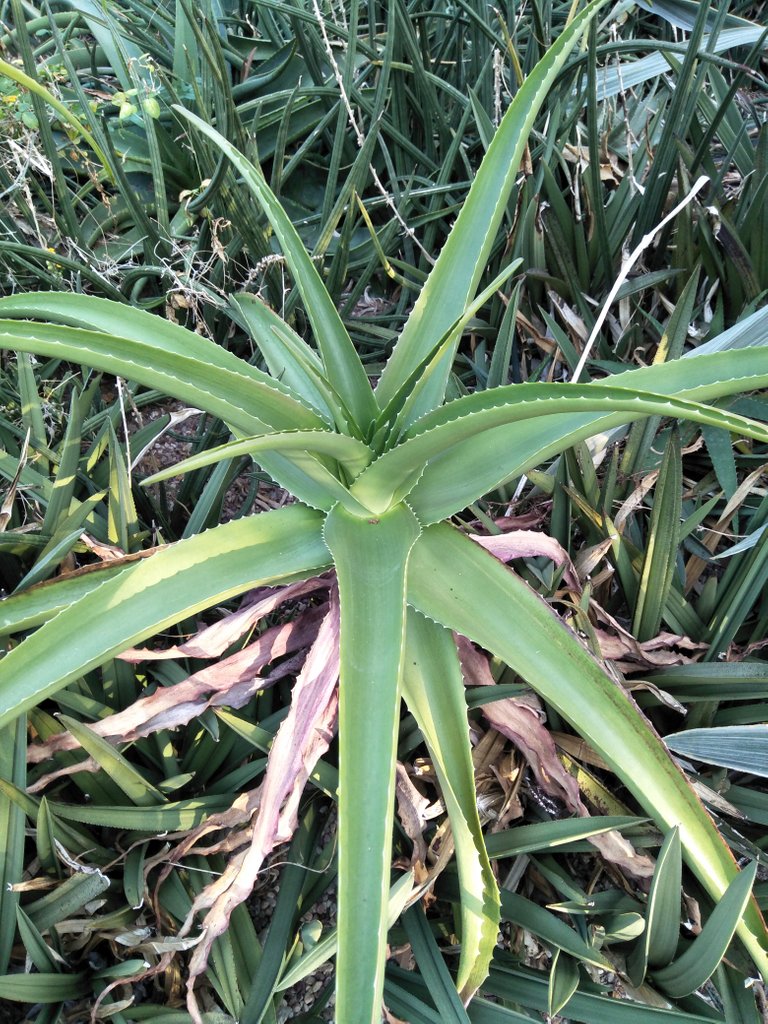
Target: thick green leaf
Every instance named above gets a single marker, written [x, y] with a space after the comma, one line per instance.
[348, 451]
[141, 347]
[38, 604]
[549, 835]
[563, 982]
[553, 930]
[180, 580]
[432, 967]
[44, 988]
[741, 747]
[442, 433]
[455, 582]
[659, 941]
[34, 944]
[12, 767]
[461, 263]
[171, 817]
[661, 545]
[451, 482]
[703, 955]
[66, 898]
[433, 690]
[139, 790]
[745, 680]
[287, 356]
[370, 556]
[233, 392]
[343, 369]
[526, 987]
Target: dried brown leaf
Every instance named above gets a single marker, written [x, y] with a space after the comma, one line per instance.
[521, 720]
[231, 682]
[212, 641]
[302, 739]
[531, 544]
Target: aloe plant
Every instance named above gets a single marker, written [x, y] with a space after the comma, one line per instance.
[377, 473]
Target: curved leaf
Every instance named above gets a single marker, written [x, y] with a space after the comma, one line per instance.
[351, 453]
[343, 369]
[443, 433]
[433, 689]
[455, 582]
[447, 483]
[180, 580]
[741, 747]
[229, 392]
[703, 955]
[462, 261]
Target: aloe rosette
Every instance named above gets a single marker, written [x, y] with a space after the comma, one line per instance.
[376, 474]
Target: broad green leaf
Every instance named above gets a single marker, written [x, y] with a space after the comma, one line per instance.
[130, 780]
[658, 943]
[661, 545]
[44, 988]
[452, 580]
[370, 555]
[741, 747]
[180, 580]
[287, 356]
[34, 944]
[443, 432]
[298, 449]
[462, 261]
[12, 819]
[399, 411]
[29, 608]
[449, 482]
[58, 547]
[171, 817]
[432, 967]
[615, 79]
[113, 321]
[550, 834]
[231, 391]
[65, 899]
[563, 982]
[433, 690]
[527, 987]
[552, 929]
[348, 451]
[343, 369]
[738, 997]
[703, 955]
[744, 680]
